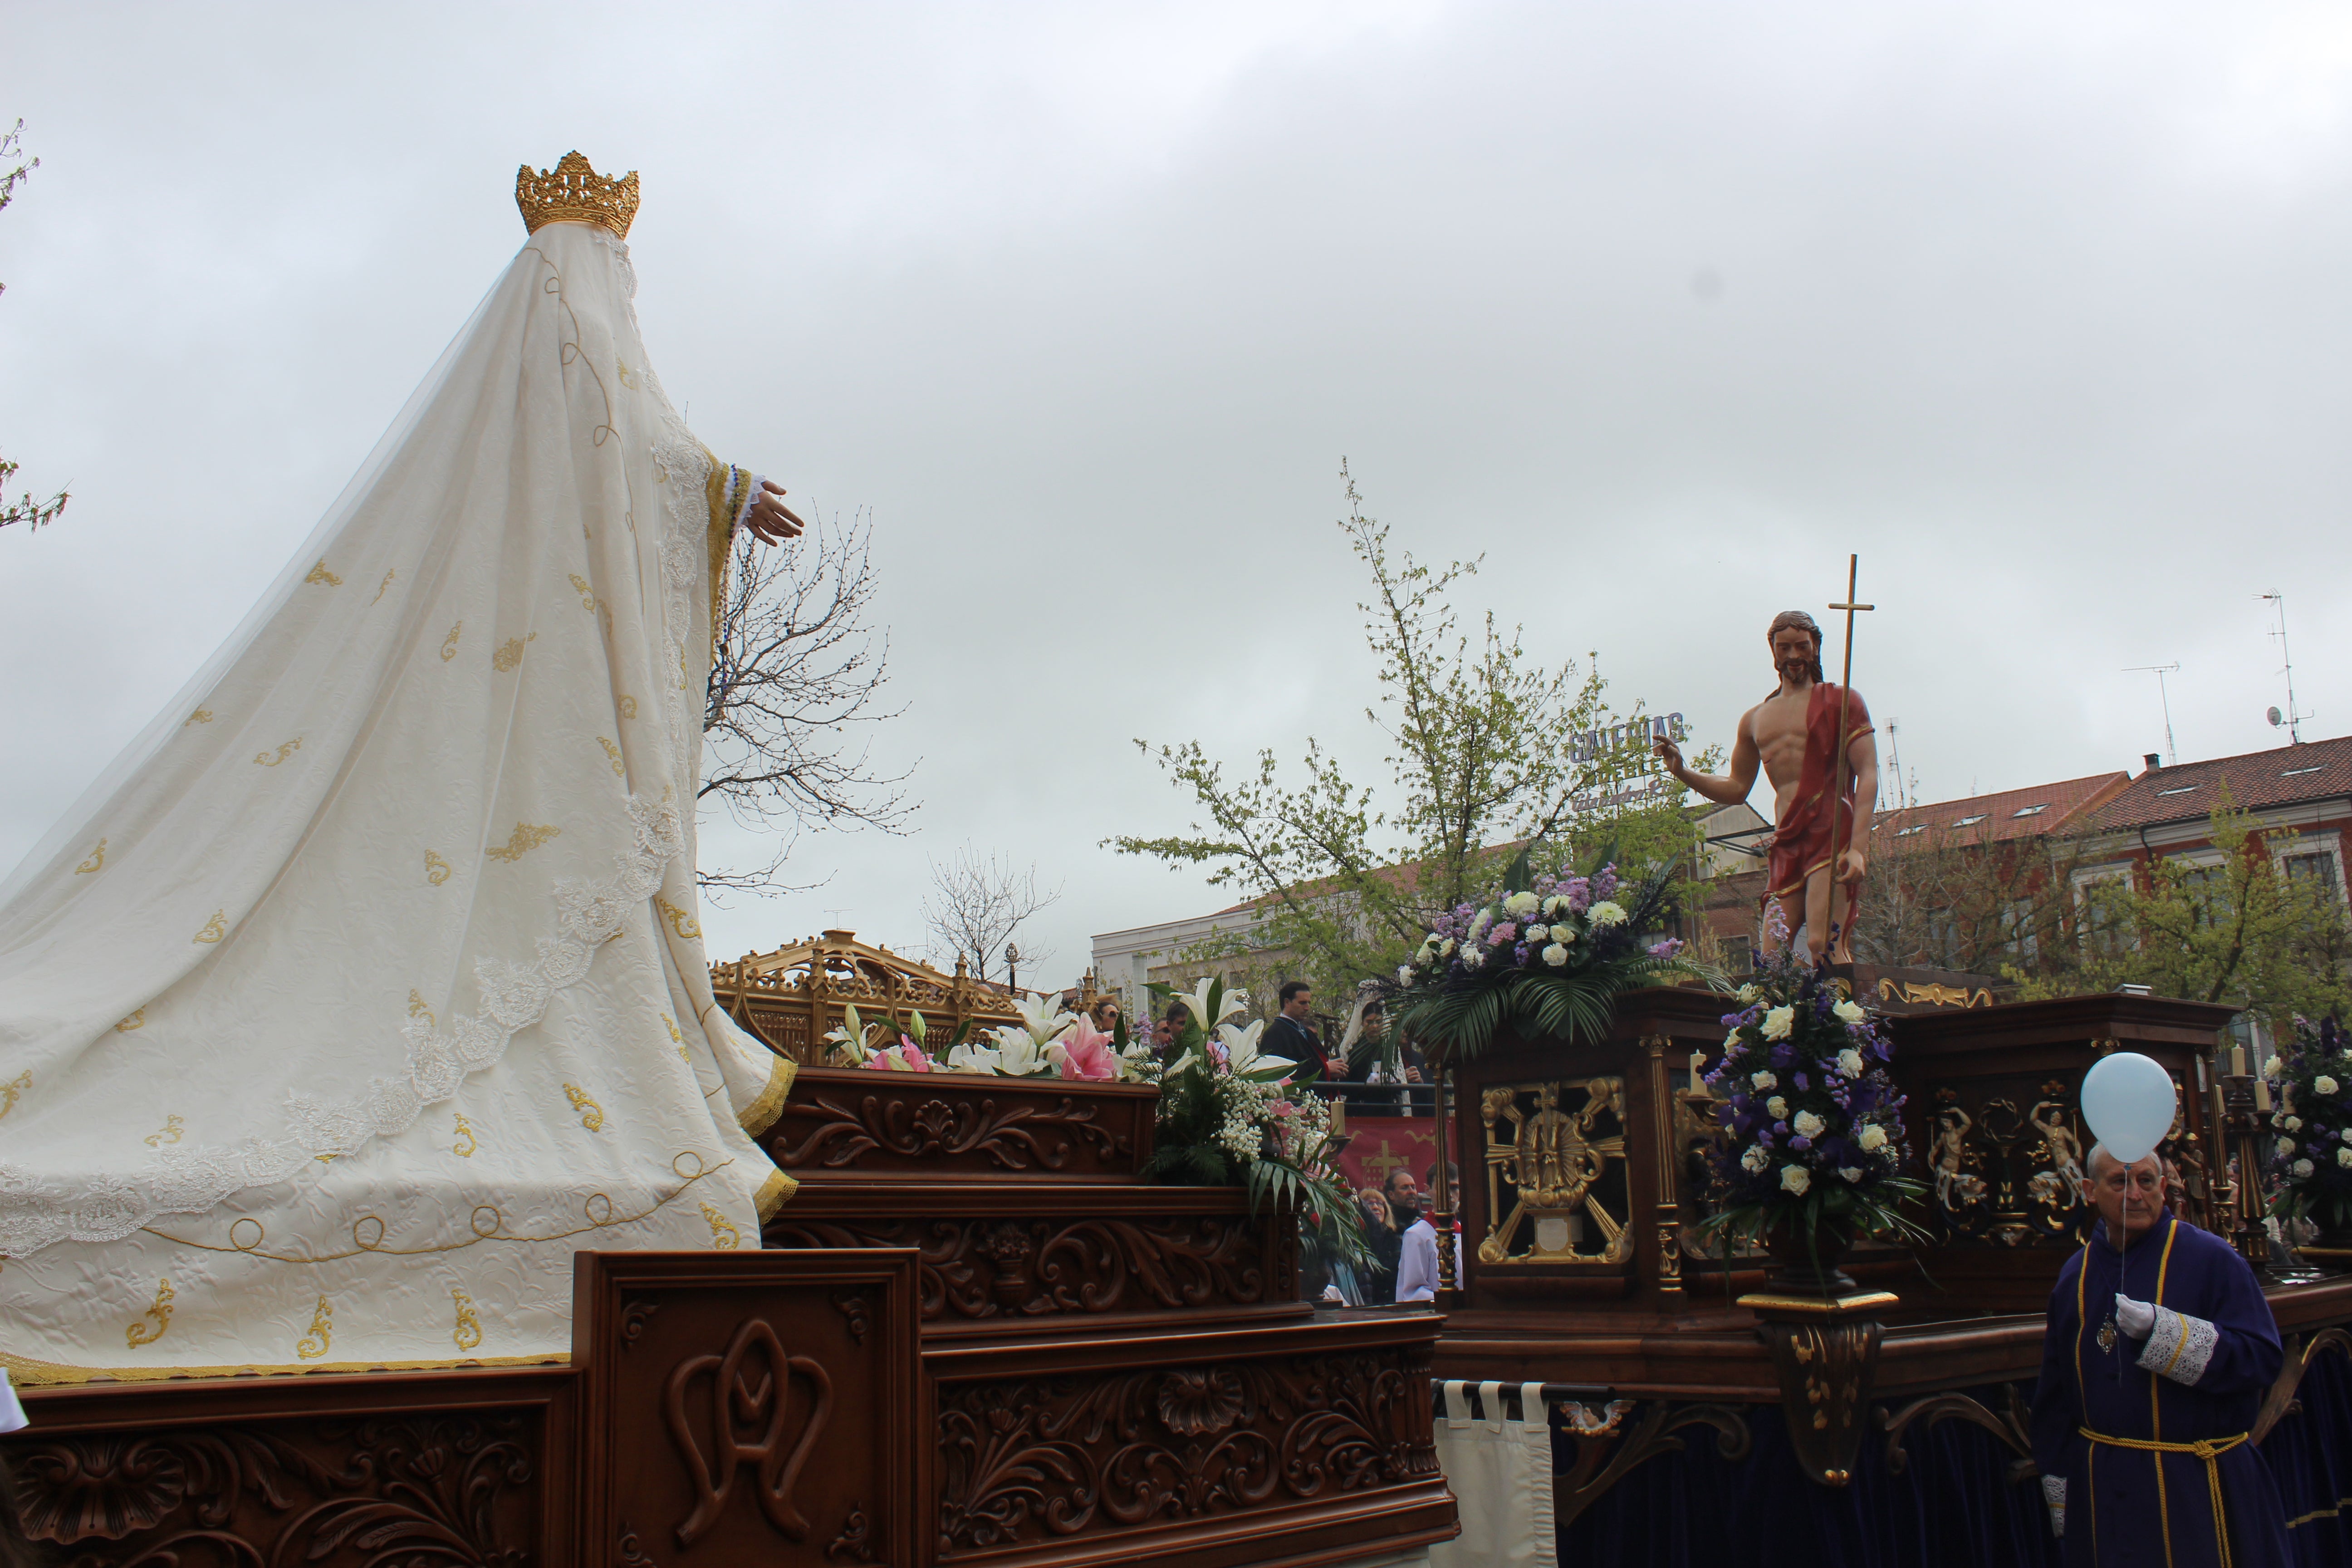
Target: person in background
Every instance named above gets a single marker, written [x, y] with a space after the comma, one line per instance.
[1416, 1279]
[1292, 1034]
[1165, 1034]
[1384, 1223]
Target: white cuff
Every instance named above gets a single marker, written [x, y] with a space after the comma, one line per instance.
[751, 493]
[12, 1414]
[2180, 1346]
[2053, 1497]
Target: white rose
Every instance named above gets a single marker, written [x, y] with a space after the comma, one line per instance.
[1777, 1107]
[1555, 955]
[1850, 1062]
[1809, 1125]
[2271, 1068]
[1445, 948]
[2344, 1157]
[1404, 974]
[1478, 926]
[1473, 958]
[1779, 1022]
[2301, 1167]
[1532, 934]
[1756, 1159]
[1563, 932]
[1796, 1179]
[1847, 1013]
[1872, 1138]
[2292, 1123]
[2322, 1084]
[1748, 995]
[1604, 913]
[1763, 1080]
[1851, 1173]
[2286, 1147]
[1519, 906]
[1555, 906]
[1731, 1041]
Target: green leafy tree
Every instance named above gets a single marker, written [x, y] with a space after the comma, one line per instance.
[2239, 931]
[25, 509]
[1483, 760]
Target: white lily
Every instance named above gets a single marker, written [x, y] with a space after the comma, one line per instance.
[1018, 1055]
[1241, 1054]
[970, 1057]
[1197, 1000]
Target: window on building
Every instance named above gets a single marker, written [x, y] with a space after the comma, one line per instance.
[1969, 821]
[2030, 810]
[2319, 866]
[2022, 941]
[1907, 832]
[1943, 938]
[2298, 773]
[2178, 789]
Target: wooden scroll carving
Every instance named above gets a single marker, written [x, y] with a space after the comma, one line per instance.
[840, 1120]
[761, 1414]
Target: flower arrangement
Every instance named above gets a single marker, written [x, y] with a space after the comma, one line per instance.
[1547, 959]
[2311, 1157]
[1231, 1115]
[1047, 1041]
[1813, 1126]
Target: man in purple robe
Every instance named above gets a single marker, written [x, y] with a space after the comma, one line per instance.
[2153, 1370]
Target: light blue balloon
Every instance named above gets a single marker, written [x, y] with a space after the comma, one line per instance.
[2128, 1101]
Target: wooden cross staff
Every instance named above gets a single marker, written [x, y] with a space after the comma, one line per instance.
[1845, 741]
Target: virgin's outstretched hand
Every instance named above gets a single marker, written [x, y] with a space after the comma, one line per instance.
[769, 518]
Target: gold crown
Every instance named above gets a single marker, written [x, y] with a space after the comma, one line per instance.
[573, 191]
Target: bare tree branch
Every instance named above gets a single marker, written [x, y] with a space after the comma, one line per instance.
[795, 671]
[32, 513]
[975, 908]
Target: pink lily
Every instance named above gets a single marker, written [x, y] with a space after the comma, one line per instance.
[1083, 1053]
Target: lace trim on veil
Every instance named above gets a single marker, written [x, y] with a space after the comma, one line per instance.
[514, 997]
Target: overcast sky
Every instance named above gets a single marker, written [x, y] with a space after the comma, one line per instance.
[1663, 307]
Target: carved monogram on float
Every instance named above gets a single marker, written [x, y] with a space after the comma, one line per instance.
[2005, 1177]
[1033, 1461]
[1555, 1152]
[1013, 1138]
[748, 1412]
[988, 1269]
[453, 1492]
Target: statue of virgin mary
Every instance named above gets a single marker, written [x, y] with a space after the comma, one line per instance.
[366, 987]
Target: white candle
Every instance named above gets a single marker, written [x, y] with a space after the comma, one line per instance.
[2238, 1061]
[2262, 1095]
[1698, 1072]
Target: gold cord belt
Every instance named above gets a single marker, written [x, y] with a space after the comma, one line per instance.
[2208, 1449]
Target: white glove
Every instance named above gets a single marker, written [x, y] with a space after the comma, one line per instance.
[2134, 1318]
[2053, 1497]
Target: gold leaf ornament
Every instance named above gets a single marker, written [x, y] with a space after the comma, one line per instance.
[613, 754]
[628, 706]
[592, 1115]
[436, 869]
[138, 1333]
[389, 574]
[201, 716]
[449, 643]
[684, 924]
[215, 928]
[320, 574]
[465, 1145]
[525, 838]
[173, 1127]
[264, 760]
[96, 861]
[315, 1344]
[469, 1323]
[14, 1087]
[723, 1234]
[510, 652]
[417, 1009]
[138, 1020]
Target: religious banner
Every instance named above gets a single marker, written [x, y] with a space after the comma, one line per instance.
[1379, 1144]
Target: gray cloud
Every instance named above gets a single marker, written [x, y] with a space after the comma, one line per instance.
[2044, 314]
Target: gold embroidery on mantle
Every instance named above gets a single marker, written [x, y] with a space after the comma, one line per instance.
[592, 1115]
[675, 1038]
[14, 1088]
[436, 869]
[628, 706]
[510, 652]
[321, 1335]
[449, 643]
[723, 1234]
[215, 928]
[201, 716]
[684, 924]
[264, 760]
[138, 1020]
[320, 574]
[173, 1127]
[469, 1325]
[96, 861]
[252, 1248]
[468, 1143]
[138, 1333]
[612, 752]
[380, 587]
[591, 603]
[417, 1009]
[521, 842]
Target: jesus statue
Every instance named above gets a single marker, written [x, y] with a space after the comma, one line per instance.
[367, 987]
[1815, 742]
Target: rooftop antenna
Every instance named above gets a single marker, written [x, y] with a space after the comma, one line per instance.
[2294, 717]
[2171, 755]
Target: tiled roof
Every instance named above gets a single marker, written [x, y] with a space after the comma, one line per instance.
[2011, 814]
[2283, 776]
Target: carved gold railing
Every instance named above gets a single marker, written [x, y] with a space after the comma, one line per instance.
[793, 997]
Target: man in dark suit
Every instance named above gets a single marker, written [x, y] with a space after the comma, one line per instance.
[1292, 1034]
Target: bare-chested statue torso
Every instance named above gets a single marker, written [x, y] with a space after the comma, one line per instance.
[1772, 734]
